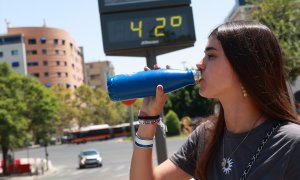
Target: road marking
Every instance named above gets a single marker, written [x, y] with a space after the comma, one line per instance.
[120, 167]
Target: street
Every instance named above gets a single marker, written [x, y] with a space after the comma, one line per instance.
[116, 155]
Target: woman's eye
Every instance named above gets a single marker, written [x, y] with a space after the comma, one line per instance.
[210, 56]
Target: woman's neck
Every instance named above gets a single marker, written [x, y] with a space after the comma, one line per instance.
[242, 116]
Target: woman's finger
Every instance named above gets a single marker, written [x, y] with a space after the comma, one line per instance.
[146, 68]
[156, 66]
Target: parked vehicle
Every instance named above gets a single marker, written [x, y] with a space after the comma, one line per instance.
[89, 157]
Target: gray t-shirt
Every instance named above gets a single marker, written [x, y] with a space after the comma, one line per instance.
[279, 159]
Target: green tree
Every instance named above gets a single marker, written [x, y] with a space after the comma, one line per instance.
[26, 108]
[172, 123]
[13, 124]
[188, 102]
[83, 101]
[67, 111]
[283, 17]
[108, 111]
[42, 108]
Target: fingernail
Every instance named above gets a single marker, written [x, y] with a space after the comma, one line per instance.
[160, 87]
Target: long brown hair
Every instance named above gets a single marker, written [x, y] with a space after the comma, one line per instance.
[254, 54]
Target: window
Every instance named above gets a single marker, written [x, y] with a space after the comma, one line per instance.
[46, 74]
[45, 63]
[32, 41]
[67, 75]
[43, 40]
[65, 63]
[9, 40]
[44, 51]
[48, 84]
[55, 41]
[34, 63]
[60, 84]
[56, 51]
[57, 63]
[35, 75]
[15, 64]
[63, 42]
[1, 54]
[59, 74]
[14, 52]
[32, 52]
[68, 85]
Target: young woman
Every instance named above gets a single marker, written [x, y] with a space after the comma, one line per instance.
[256, 134]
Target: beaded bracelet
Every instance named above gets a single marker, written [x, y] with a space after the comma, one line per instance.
[143, 143]
[148, 117]
[154, 120]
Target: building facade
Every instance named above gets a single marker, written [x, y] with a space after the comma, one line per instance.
[52, 56]
[240, 11]
[97, 73]
[12, 51]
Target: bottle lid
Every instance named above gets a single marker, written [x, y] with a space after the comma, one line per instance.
[197, 75]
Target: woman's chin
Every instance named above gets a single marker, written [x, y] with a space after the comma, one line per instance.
[205, 94]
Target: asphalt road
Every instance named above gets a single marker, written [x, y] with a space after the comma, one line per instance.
[116, 159]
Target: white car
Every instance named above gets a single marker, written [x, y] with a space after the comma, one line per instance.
[90, 157]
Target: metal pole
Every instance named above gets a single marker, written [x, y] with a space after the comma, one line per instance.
[160, 141]
[46, 154]
[131, 123]
[27, 153]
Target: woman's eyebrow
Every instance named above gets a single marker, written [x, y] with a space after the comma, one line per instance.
[209, 48]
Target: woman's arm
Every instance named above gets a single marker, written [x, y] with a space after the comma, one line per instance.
[142, 163]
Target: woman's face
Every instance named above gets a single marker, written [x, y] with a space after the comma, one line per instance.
[218, 78]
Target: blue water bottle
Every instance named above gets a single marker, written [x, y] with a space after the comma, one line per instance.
[143, 84]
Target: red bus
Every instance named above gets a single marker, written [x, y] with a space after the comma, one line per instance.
[124, 129]
[90, 133]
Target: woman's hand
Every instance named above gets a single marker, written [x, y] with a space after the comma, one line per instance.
[154, 105]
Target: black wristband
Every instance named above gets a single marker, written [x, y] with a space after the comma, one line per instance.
[148, 117]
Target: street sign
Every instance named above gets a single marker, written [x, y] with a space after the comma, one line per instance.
[132, 33]
[136, 27]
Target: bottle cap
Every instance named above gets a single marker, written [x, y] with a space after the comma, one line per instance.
[197, 75]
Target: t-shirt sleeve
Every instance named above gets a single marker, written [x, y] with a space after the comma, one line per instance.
[186, 157]
[292, 170]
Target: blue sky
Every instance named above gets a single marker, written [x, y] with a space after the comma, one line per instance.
[81, 19]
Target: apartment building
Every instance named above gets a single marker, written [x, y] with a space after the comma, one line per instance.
[52, 56]
[12, 51]
[97, 73]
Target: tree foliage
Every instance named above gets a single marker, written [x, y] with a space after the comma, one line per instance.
[26, 108]
[173, 124]
[42, 108]
[188, 102]
[65, 115]
[283, 18]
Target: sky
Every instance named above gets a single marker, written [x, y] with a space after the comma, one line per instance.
[81, 19]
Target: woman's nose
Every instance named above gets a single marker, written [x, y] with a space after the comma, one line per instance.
[200, 65]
